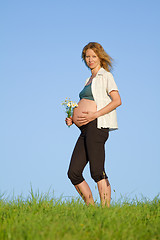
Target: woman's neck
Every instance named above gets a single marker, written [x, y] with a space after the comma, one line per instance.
[94, 71]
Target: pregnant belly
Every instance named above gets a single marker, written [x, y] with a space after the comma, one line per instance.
[84, 105]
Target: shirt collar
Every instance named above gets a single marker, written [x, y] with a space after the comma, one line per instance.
[101, 71]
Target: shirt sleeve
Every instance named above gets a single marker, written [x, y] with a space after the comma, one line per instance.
[111, 85]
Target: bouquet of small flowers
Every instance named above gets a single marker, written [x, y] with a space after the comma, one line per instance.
[69, 105]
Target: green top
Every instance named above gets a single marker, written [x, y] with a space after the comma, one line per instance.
[86, 93]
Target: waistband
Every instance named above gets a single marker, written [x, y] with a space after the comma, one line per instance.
[94, 122]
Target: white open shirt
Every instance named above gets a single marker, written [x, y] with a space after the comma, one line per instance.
[102, 84]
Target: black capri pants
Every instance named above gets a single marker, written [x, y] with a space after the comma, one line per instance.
[90, 147]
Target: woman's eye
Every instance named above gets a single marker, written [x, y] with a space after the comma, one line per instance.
[91, 56]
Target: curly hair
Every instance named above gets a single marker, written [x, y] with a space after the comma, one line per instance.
[105, 60]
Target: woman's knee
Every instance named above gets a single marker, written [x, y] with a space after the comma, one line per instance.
[75, 177]
[97, 176]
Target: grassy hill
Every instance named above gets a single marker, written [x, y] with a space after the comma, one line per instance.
[39, 217]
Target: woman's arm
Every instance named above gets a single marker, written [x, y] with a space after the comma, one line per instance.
[116, 102]
[90, 116]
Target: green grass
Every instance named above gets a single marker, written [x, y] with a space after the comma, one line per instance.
[42, 217]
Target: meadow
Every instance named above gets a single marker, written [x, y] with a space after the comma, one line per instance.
[46, 218]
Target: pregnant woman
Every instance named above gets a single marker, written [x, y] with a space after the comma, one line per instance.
[95, 116]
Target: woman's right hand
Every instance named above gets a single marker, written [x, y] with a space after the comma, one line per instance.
[69, 121]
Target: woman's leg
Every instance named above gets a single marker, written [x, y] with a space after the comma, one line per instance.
[95, 143]
[85, 192]
[77, 164]
[104, 189]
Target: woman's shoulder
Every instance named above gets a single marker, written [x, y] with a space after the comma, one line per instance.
[105, 74]
[102, 72]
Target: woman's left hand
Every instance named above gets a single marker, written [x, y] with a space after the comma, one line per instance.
[86, 117]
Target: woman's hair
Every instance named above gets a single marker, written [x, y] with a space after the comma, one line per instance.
[105, 59]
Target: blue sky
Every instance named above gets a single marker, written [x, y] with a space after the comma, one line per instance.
[40, 65]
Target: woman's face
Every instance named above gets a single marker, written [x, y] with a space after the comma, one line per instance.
[92, 60]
